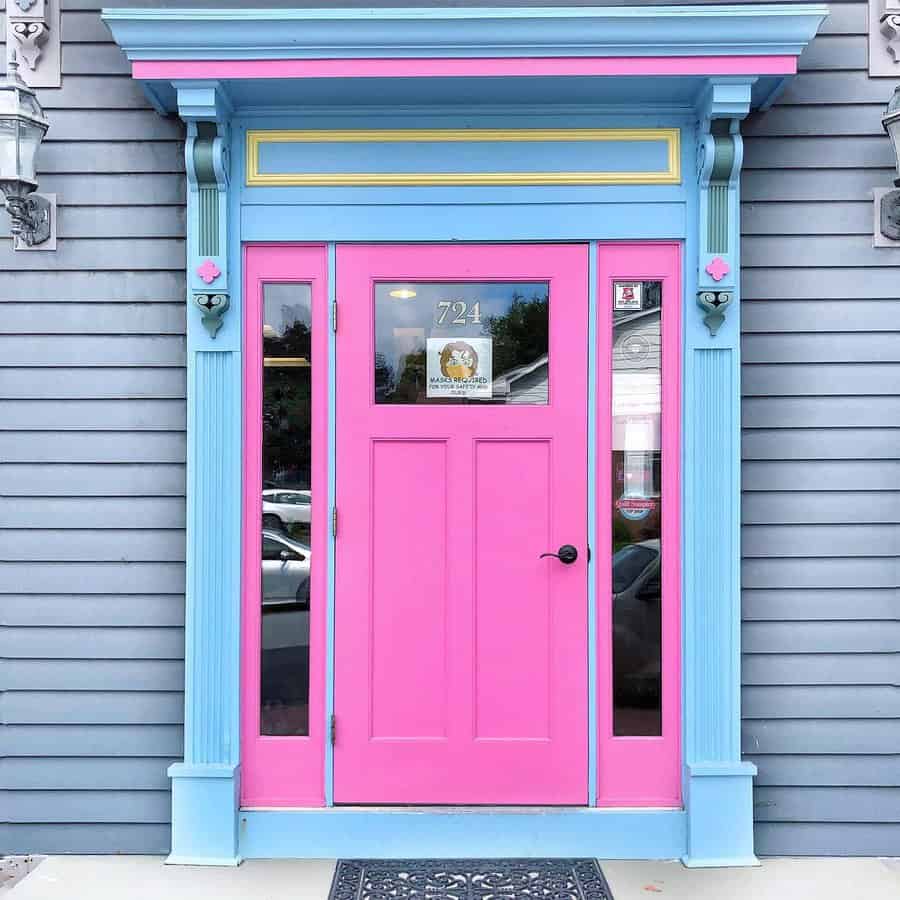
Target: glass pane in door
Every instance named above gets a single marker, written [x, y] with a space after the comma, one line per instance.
[286, 508]
[637, 508]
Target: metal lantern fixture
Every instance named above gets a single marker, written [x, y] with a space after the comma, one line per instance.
[22, 128]
[890, 202]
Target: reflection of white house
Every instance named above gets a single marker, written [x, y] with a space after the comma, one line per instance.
[636, 381]
[524, 384]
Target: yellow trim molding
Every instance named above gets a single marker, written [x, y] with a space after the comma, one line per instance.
[255, 178]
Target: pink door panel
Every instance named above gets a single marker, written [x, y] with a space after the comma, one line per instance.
[460, 654]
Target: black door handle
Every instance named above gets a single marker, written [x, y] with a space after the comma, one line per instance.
[567, 554]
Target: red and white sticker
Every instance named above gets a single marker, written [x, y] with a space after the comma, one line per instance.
[628, 295]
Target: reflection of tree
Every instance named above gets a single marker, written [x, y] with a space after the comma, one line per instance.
[384, 377]
[520, 335]
[411, 382]
[287, 410]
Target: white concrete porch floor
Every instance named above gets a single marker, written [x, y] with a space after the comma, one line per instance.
[146, 878]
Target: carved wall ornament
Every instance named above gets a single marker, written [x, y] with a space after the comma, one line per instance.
[208, 271]
[25, 5]
[213, 308]
[714, 304]
[31, 37]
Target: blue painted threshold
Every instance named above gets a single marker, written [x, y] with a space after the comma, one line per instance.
[478, 832]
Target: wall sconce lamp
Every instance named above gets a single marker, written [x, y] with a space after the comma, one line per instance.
[890, 202]
[22, 128]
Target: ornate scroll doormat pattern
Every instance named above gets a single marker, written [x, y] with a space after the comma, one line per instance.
[469, 879]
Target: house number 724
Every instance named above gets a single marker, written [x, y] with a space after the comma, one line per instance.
[457, 312]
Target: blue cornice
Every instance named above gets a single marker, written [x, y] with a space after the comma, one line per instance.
[764, 29]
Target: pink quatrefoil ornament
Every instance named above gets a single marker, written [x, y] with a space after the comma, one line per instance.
[718, 268]
[208, 271]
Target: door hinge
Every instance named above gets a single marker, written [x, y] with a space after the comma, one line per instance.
[334, 316]
[334, 521]
[332, 727]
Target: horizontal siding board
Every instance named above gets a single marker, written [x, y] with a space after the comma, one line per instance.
[819, 88]
[819, 604]
[92, 318]
[104, 609]
[120, 222]
[96, 287]
[838, 770]
[821, 702]
[129, 578]
[92, 707]
[121, 189]
[45, 807]
[839, 316]
[818, 668]
[820, 283]
[817, 475]
[95, 92]
[73, 157]
[82, 27]
[92, 643]
[93, 674]
[818, 250]
[817, 736]
[826, 839]
[820, 637]
[820, 507]
[109, 254]
[774, 541]
[74, 774]
[93, 415]
[835, 52]
[818, 153]
[856, 572]
[94, 383]
[83, 837]
[821, 443]
[92, 480]
[784, 120]
[819, 412]
[783, 185]
[816, 379]
[827, 804]
[94, 59]
[91, 545]
[94, 512]
[110, 446]
[92, 740]
[108, 350]
[114, 124]
[865, 347]
[807, 217]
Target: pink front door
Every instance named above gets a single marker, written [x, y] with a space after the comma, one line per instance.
[461, 655]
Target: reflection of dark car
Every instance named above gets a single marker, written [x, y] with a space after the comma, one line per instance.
[636, 622]
[285, 571]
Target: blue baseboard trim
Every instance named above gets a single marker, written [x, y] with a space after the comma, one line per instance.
[204, 820]
[719, 797]
[444, 832]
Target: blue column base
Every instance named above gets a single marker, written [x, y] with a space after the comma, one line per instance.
[719, 800]
[204, 815]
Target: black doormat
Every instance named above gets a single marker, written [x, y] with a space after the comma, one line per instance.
[469, 879]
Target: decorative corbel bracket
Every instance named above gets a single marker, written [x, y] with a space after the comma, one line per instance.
[890, 27]
[212, 308]
[720, 108]
[206, 109]
[32, 31]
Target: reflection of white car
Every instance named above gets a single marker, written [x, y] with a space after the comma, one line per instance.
[285, 571]
[284, 507]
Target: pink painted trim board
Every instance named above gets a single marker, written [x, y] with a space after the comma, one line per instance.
[479, 68]
[283, 771]
[641, 771]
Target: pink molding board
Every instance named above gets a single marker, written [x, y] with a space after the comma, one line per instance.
[437, 68]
